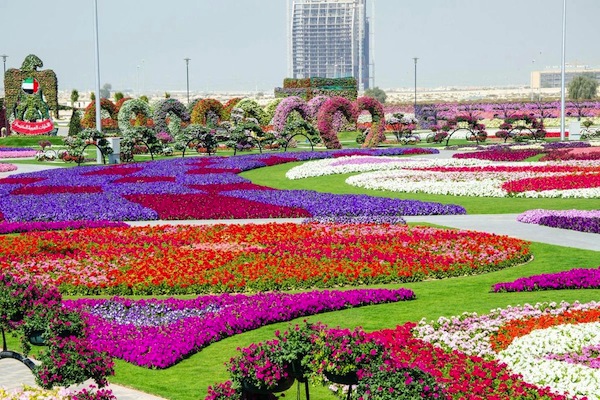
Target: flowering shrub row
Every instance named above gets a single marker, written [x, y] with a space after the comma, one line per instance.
[187, 189]
[129, 329]
[578, 278]
[16, 153]
[194, 259]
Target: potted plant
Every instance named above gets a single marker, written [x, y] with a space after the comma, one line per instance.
[258, 369]
[341, 353]
[297, 346]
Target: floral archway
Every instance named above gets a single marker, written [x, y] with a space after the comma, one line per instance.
[203, 109]
[325, 119]
[285, 108]
[376, 133]
[89, 115]
[133, 135]
[169, 107]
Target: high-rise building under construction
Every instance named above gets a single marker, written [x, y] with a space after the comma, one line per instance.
[328, 38]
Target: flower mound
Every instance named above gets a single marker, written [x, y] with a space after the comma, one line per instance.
[177, 189]
[583, 221]
[578, 278]
[160, 333]
[195, 259]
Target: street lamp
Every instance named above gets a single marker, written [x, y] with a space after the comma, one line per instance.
[562, 73]
[98, 114]
[187, 78]
[415, 58]
[4, 57]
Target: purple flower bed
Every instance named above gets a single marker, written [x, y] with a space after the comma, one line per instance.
[17, 227]
[183, 176]
[159, 333]
[577, 220]
[345, 205]
[579, 278]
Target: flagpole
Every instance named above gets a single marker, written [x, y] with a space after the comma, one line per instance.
[562, 73]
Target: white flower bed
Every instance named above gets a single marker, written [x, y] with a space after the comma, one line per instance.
[527, 356]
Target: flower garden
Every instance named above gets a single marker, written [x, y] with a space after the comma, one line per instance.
[346, 289]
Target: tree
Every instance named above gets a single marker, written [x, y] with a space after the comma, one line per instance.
[118, 96]
[105, 91]
[582, 87]
[92, 96]
[74, 97]
[376, 93]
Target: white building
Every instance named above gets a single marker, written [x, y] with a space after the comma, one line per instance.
[329, 39]
[551, 77]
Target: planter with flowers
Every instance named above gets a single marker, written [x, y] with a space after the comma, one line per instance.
[259, 370]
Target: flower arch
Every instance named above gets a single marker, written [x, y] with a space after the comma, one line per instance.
[120, 103]
[376, 134]
[315, 104]
[166, 107]
[521, 127]
[228, 106]
[89, 115]
[203, 108]
[133, 135]
[325, 119]
[253, 110]
[285, 108]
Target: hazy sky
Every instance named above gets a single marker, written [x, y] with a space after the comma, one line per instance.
[242, 44]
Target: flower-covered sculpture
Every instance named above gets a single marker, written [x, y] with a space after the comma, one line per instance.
[376, 134]
[133, 135]
[206, 110]
[285, 108]
[325, 119]
[168, 107]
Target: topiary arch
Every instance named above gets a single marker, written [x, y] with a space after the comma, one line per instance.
[285, 108]
[89, 114]
[166, 107]
[376, 134]
[253, 110]
[133, 135]
[203, 107]
[325, 119]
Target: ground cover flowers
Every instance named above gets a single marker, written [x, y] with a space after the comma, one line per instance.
[578, 220]
[192, 188]
[458, 177]
[196, 259]
[578, 278]
[159, 333]
[516, 336]
[7, 167]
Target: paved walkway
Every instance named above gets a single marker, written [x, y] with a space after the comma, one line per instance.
[13, 374]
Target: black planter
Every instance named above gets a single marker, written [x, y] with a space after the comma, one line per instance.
[298, 371]
[36, 338]
[282, 386]
[347, 379]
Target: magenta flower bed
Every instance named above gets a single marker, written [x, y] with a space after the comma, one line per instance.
[499, 155]
[159, 333]
[579, 278]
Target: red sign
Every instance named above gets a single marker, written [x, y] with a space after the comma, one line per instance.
[32, 128]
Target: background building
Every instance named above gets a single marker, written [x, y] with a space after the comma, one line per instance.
[551, 78]
[329, 39]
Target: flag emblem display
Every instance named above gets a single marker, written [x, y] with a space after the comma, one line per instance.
[30, 85]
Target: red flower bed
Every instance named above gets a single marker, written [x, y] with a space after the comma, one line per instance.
[42, 190]
[274, 160]
[553, 183]
[145, 179]
[213, 206]
[206, 170]
[230, 186]
[19, 181]
[463, 376]
[114, 170]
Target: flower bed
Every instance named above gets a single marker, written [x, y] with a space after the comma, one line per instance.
[583, 221]
[18, 227]
[537, 354]
[7, 167]
[468, 177]
[159, 333]
[176, 189]
[196, 259]
[578, 278]
[16, 153]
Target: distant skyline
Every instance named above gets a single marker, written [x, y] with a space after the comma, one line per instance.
[242, 44]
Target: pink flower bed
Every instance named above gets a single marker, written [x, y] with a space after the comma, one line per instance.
[7, 167]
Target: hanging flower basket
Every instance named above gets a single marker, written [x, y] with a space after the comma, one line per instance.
[281, 386]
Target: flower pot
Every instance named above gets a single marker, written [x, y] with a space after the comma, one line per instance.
[298, 371]
[282, 386]
[36, 338]
[346, 379]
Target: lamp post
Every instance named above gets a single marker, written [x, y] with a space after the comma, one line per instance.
[98, 114]
[187, 78]
[562, 73]
[4, 57]
[415, 59]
